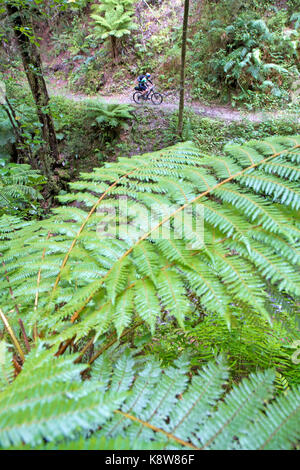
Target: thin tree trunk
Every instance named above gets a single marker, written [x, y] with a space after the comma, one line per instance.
[114, 47]
[33, 69]
[182, 69]
[21, 152]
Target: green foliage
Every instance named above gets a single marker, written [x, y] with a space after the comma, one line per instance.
[212, 134]
[248, 346]
[247, 200]
[246, 57]
[20, 188]
[89, 76]
[23, 118]
[191, 249]
[136, 405]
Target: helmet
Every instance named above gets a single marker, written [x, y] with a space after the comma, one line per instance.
[148, 75]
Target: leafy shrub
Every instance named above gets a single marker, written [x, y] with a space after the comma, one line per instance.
[212, 134]
[247, 57]
[20, 188]
[7, 136]
[80, 133]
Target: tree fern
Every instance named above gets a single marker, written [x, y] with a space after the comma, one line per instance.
[113, 19]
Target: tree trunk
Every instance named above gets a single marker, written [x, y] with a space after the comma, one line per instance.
[114, 48]
[33, 69]
[182, 69]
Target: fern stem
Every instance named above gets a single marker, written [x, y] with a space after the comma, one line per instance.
[39, 278]
[17, 366]
[64, 346]
[10, 289]
[107, 346]
[12, 335]
[84, 349]
[159, 430]
[26, 341]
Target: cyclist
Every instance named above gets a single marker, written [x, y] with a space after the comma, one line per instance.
[143, 81]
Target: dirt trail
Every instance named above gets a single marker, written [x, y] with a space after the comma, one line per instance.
[170, 104]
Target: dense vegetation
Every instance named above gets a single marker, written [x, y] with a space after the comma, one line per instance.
[149, 276]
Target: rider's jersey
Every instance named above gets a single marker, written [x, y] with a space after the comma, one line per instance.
[143, 80]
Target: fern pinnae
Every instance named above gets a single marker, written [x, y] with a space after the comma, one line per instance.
[123, 311]
[202, 395]
[278, 427]
[39, 278]
[205, 283]
[283, 170]
[256, 208]
[146, 302]
[234, 413]
[84, 224]
[249, 290]
[6, 366]
[272, 186]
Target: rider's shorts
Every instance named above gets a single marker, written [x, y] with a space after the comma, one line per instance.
[142, 87]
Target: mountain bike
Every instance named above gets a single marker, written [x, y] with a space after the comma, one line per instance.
[152, 95]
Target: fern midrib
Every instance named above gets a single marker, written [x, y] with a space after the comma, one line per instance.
[260, 207]
[248, 155]
[226, 260]
[158, 430]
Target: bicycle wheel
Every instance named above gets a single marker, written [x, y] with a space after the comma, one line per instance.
[156, 98]
[138, 97]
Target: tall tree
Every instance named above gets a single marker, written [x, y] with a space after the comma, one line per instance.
[20, 20]
[182, 69]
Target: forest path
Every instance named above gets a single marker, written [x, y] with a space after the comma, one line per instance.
[170, 104]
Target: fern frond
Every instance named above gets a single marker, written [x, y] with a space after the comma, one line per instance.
[241, 235]
[129, 403]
